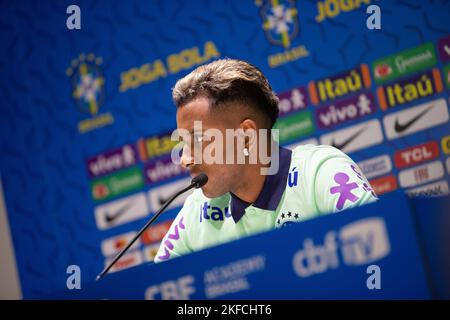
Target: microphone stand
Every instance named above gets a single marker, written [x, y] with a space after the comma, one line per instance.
[194, 184]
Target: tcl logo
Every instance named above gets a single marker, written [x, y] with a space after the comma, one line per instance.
[417, 154]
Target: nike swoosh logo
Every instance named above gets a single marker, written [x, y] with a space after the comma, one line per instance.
[343, 144]
[110, 217]
[400, 127]
[447, 49]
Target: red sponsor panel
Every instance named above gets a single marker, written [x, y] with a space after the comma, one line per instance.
[156, 233]
[384, 184]
[128, 260]
[417, 154]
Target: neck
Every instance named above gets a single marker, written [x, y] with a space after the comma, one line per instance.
[251, 180]
[250, 184]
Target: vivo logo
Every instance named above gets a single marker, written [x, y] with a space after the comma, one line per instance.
[359, 243]
[161, 170]
[345, 110]
[292, 100]
[112, 161]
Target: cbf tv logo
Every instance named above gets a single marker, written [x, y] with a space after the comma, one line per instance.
[88, 90]
[356, 244]
[281, 27]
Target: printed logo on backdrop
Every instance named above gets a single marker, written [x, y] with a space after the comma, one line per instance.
[162, 169]
[111, 161]
[404, 63]
[416, 154]
[150, 252]
[421, 174]
[355, 137]
[444, 49]
[340, 85]
[88, 91]
[158, 196]
[409, 90]
[445, 144]
[417, 118]
[281, 27]
[430, 190]
[446, 73]
[156, 146]
[376, 166]
[156, 233]
[171, 65]
[121, 211]
[342, 111]
[384, 184]
[128, 260]
[116, 184]
[295, 126]
[112, 246]
[292, 100]
[330, 9]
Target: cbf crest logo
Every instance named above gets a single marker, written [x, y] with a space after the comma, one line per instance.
[280, 21]
[88, 90]
[88, 83]
[281, 27]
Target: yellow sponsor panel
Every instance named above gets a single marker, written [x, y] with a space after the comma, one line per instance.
[445, 143]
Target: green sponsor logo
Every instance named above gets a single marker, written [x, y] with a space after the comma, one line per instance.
[447, 75]
[295, 126]
[118, 183]
[403, 63]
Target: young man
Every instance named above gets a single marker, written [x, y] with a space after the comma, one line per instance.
[246, 197]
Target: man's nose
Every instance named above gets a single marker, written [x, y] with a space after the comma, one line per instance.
[186, 158]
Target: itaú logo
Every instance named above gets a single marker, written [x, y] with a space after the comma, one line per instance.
[359, 243]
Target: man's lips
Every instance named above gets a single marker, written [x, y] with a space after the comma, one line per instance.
[193, 174]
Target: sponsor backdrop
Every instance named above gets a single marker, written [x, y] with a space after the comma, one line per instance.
[86, 115]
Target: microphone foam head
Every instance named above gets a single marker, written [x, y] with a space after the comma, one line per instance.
[200, 180]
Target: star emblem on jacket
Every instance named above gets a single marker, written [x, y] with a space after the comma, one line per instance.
[286, 218]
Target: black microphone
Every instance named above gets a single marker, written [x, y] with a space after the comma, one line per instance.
[197, 182]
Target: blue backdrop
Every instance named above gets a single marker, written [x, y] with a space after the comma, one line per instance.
[86, 114]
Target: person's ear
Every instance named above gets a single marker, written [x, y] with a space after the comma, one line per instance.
[249, 128]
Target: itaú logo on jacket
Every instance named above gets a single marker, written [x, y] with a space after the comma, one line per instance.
[359, 243]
